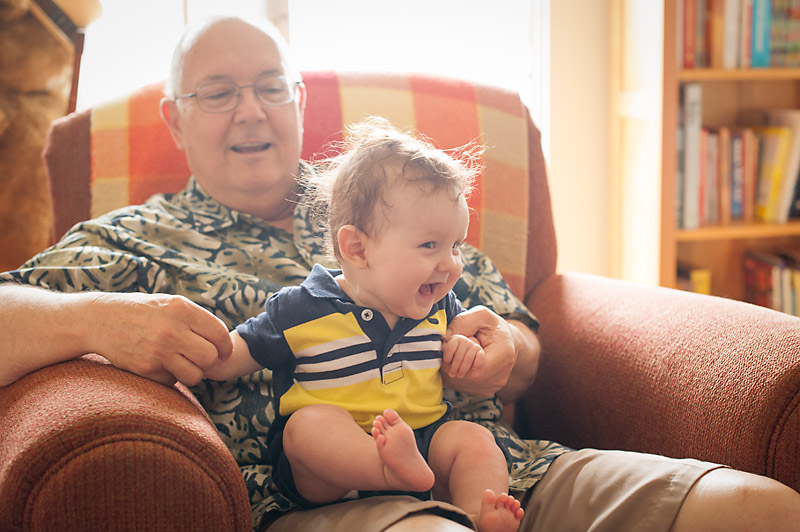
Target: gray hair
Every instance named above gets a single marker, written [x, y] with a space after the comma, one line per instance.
[192, 35]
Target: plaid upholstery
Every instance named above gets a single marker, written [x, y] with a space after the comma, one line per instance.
[133, 155]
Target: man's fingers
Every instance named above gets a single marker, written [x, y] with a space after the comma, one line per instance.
[469, 322]
[183, 369]
[207, 326]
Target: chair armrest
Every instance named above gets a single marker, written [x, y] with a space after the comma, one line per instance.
[657, 370]
[87, 446]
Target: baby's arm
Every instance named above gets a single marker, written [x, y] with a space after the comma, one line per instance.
[460, 354]
[240, 362]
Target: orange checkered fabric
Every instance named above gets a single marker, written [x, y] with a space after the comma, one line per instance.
[133, 155]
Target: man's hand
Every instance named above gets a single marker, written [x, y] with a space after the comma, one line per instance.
[162, 337]
[159, 336]
[511, 355]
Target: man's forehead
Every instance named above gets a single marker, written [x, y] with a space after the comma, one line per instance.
[231, 49]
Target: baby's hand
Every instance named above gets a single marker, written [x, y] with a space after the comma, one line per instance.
[461, 354]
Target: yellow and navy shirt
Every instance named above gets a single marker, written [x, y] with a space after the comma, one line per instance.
[324, 349]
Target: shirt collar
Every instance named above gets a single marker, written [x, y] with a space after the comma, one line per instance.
[321, 282]
[210, 215]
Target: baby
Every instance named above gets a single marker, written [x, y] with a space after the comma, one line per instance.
[356, 353]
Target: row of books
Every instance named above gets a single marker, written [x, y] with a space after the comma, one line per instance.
[693, 278]
[740, 173]
[738, 33]
[772, 280]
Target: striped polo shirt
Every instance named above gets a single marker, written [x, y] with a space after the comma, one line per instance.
[325, 349]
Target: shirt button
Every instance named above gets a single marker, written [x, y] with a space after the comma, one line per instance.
[366, 314]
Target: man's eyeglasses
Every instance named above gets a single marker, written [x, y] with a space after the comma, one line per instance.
[224, 96]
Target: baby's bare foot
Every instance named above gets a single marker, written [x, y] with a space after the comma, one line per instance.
[403, 466]
[499, 513]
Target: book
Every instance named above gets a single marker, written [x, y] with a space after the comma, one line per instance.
[792, 261]
[772, 279]
[694, 278]
[689, 32]
[731, 13]
[711, 188]
[794, 208]
[746, 34]
[680, 142]
[757, 280]
[702, 34]
[752, 157]
[692, 102]
[761, 23]
[716, 31]
[724, 177]
[745, 164]
[679, 23]
[737, 187]
[775, 146]
[702, 183]
[768, 280]
[786, 189]
[793, 35]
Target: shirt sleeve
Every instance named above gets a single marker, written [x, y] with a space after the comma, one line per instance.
[264, 333]
[87, 259]
[452, 306]
[482, 284]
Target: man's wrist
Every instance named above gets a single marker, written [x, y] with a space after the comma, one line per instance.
[526, 363]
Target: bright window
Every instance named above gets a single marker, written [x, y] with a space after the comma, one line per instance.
[474, 39]
[131, 43]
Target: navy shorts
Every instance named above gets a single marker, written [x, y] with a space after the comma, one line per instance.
[282, 469]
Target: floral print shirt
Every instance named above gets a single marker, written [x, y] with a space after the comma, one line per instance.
[229, 263]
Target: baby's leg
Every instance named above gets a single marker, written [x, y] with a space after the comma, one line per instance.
[471, 472]
[331, 455]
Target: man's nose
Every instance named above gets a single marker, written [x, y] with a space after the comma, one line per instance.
[249, 105]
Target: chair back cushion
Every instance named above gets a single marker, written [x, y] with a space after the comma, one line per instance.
[120, 153]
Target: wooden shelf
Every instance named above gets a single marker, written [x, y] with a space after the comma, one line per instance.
[738, 231]
[744, 74]
[645, 243]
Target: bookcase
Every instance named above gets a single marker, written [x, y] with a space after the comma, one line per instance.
[646, 243]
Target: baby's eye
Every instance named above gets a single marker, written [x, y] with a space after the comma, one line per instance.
[429, 245]
[457, 244]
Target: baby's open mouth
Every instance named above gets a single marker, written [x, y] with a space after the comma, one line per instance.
[426, 289]
[251, 147]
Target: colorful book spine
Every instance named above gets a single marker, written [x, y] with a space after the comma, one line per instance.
[692, 123]
[737, 175]
[761, 51]
[776, 143]
[689, 32]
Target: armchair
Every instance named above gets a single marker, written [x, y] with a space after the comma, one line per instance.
[88, 446]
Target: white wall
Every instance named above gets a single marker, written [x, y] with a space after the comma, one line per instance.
[579, 132]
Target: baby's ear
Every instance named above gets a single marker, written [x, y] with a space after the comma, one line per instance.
[353, 246]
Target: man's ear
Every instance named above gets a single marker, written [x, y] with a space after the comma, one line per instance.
[170, 115]
[353, 246]
[301, 98]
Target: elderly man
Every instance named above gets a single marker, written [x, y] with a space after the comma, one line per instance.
[156, 287]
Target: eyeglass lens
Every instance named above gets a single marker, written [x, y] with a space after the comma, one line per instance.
[224, 95]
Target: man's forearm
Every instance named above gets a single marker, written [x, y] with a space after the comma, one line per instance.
[38, 328]
[526, 364]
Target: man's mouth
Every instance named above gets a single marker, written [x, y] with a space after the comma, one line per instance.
[251, 147]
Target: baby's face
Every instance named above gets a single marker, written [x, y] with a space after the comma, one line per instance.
[414, 257]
